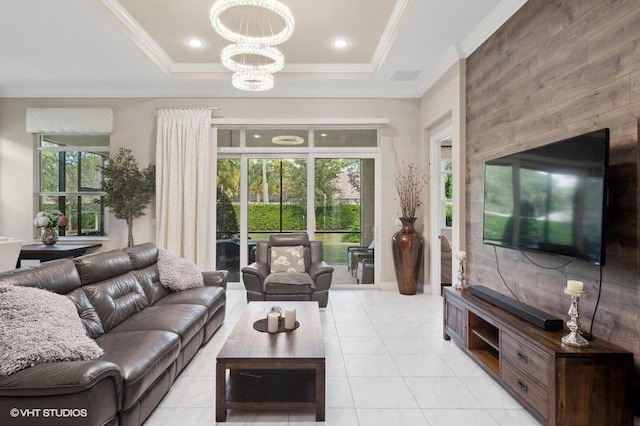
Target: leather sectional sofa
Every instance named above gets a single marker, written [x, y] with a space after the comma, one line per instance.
[148, 333]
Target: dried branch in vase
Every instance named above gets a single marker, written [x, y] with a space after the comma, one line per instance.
[409, 181]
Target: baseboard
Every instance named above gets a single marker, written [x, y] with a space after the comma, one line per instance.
[388, 286]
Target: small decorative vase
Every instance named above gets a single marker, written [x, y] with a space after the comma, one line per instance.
[407, 246]
[49, 236]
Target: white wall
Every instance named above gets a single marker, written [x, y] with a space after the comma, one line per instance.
[445, 102]
[135, 121]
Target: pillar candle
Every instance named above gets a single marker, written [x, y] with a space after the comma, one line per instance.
[290, 318]
[573, 285]
[272, 322]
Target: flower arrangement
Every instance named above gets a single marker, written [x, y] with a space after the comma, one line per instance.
[409, 181]
[51, 219]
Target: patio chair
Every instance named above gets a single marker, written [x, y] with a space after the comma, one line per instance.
[356, 253]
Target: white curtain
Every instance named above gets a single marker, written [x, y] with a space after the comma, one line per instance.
[185, 185]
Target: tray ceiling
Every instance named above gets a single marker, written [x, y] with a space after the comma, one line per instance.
[136, 48]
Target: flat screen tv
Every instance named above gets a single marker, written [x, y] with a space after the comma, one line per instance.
[550, 199]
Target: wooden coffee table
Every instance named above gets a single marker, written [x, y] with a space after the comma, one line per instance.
[281, 371]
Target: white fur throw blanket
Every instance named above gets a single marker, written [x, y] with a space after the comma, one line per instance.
[177, 273]
[38, 326]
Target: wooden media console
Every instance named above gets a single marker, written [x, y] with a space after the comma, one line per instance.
[556, 383]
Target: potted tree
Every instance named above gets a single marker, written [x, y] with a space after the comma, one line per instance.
[128, 190]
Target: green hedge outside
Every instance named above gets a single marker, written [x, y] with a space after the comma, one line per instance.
[266, 217]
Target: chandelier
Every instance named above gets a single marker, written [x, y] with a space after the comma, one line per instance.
[287, 140]
[252, 76]
[252, 80]
[235, 37]
[233, 50]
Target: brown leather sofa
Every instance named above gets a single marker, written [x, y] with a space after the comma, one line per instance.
[148, 333]
[313, 284]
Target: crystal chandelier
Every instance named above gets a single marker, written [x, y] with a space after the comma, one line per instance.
[232, 50]
[252, 76]
[271, 5]
[287, 140]
[252, 80]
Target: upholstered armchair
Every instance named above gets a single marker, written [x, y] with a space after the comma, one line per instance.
[288, 267]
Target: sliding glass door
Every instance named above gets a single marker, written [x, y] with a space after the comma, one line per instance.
[344, 207]
[329, 192]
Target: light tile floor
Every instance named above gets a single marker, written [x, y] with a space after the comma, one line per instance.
[387, 364]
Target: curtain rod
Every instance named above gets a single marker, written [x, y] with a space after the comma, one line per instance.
[211, 108]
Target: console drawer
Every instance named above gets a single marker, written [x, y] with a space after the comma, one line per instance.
[525, 358]
[525, 387]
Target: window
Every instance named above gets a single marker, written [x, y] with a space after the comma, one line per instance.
[446, 193]
[71, 179]
[346, 138]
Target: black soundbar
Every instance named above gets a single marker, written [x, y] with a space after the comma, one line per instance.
[519, 309]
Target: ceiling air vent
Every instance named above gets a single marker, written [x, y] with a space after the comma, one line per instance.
[405, 75]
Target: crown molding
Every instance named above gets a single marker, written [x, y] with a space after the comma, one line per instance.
[328, 68]
[429, 77]
[216, 90]
[390, 33]
[490, 24]
[134, 31]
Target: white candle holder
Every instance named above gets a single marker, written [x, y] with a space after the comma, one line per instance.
[574, 338]
[462, 280]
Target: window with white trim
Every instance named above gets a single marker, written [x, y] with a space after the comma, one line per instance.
[70, 180]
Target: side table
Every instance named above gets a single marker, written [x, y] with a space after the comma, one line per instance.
[45, 253]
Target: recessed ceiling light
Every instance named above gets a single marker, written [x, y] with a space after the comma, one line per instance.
[195, 42]
[324, 135]
[256, 136]
[340, 43]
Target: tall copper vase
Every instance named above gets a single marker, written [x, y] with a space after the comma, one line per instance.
[407, 246]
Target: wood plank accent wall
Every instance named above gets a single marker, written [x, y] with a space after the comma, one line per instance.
[556, 69]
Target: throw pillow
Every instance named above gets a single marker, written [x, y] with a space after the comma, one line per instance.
[287, 259]
[177, 273]
[39, 326]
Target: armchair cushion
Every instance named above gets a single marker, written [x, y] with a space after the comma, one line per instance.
[290, 283]
[287, 259]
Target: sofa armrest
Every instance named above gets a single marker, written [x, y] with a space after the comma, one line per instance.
[321, 274]
[254, 275]
[85, 393]
[59, 378]
[319, 268]
[215, 278]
